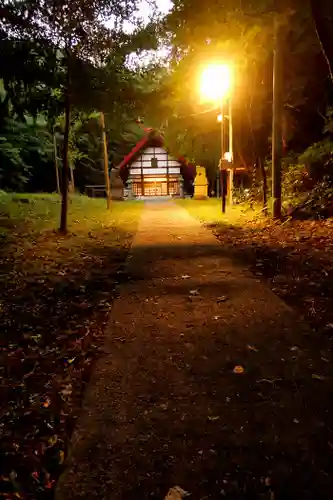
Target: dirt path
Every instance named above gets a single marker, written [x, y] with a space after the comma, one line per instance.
[207, 380]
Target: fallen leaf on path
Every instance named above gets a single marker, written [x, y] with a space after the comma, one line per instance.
[66, 391]
[194, 292]
[238, 369]
[269, 381]
[252, 348]
[185, 276]
[176, 493]
[35, 476]
[53, 440]
[45, 403]
[318, 377]
[213, 419]
[223, 298]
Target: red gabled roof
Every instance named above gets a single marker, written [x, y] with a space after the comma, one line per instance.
[137, 148]
[148, 140]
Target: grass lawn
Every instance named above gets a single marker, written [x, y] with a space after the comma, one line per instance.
[209, 211]
[55, 297]
[33, 214]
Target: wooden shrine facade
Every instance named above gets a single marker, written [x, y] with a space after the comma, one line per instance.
[149, 169]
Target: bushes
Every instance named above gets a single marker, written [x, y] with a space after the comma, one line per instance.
[25, 156]
[319, 158]
[295, 183]
[14, 172]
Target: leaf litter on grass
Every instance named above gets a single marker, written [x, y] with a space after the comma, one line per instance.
[295, 256]
[53, 313]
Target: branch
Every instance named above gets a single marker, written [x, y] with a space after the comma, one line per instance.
[322, 13]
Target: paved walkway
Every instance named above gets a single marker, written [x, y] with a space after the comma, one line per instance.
[188, 390]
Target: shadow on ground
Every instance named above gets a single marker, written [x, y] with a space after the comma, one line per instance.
[173, 410]
[295, 261]
[186, 418]
[55, 301]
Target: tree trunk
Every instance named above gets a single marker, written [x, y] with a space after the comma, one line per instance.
[106, 162]
[256, 162]
[277, 125]
[264, 184]
[56, 162]
[65, 163]
[322, 13]
[253, 186]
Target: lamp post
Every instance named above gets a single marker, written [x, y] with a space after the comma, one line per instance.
[215, 85]
[223, 172]
[231, 151]
[227, 156]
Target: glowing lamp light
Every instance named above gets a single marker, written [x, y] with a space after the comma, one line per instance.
[215, 81]
[228, 156]
[219, 117]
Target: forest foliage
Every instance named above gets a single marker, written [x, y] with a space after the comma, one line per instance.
[161, 92]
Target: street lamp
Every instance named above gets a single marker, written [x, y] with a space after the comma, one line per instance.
[229, 155]
[215, 81]
[215, 85]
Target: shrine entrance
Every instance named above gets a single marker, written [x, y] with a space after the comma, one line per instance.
[155, 188]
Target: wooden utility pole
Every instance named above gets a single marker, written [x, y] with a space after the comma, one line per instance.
[56, 164]
[106, 162]
[72, 178]
[65, 161]
[277, 124]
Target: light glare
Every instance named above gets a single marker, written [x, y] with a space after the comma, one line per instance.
[215, 81]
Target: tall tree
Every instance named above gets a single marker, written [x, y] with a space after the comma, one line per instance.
[241, 32]
[76, 32]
